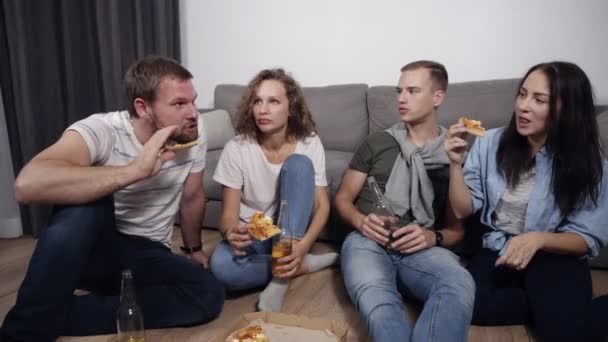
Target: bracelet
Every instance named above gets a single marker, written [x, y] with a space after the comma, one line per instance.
[190, 250]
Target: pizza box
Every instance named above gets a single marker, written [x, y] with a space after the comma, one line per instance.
[337, 328]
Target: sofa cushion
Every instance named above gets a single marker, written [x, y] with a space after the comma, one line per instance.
[491, 102]
[213, 189]
[227, 97]
[602, 122]
[340, 114]
[339, 108]
[218, 127]
[336, 163]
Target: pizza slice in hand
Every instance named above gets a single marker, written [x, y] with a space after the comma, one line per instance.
[262, 227]
[473, 127]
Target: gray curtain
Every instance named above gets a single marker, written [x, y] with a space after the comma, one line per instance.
[10, 219]
[62, 60]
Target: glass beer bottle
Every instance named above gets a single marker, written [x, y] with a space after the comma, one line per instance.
[129, 318]
[281, 243]
[383, 209]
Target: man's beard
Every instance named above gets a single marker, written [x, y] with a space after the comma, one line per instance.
[178, 136]
[183, 138]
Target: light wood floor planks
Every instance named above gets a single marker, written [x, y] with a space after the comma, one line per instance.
[320, 294]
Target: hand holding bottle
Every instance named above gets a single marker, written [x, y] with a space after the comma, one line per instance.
[413, 238]
[372, 227]
[383, 215]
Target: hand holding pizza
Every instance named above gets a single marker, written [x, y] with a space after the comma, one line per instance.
[238, 237]
[455, 143]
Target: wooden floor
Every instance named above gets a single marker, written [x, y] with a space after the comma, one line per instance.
[320, 294]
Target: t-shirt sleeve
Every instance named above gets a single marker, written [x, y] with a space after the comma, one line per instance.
[200, 157]
[362, 160]
[229, 170]
[318, 162]
[98, 135]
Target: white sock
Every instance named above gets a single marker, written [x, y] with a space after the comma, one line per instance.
[271, 299]
[320, 261]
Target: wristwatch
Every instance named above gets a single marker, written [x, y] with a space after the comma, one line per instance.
[438, 238]
[192, 249]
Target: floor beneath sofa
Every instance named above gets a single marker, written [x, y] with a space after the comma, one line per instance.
[321, 294]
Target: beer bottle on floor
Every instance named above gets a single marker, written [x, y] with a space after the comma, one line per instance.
[129, 319]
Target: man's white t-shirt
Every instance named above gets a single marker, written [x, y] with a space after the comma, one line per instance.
[244, 166]
[146, 208]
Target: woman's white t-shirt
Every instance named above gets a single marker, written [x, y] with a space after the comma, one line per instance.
[243, 166]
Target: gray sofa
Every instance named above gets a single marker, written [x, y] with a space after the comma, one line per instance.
[346, 114]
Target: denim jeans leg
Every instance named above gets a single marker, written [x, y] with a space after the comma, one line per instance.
[370, 279]
[238, 273]
[60, 256]
[171, 291]
[436, 277]
[297, 184]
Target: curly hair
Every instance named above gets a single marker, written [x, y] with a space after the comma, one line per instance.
[299, 124]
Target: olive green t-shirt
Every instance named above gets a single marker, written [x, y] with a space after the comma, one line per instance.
[375, 157]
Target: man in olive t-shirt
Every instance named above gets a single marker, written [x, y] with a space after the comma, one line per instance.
[410, 157]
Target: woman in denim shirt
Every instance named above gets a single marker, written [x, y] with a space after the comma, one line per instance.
[540, 186]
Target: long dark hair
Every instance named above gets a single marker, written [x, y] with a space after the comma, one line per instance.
[299, 124]
[572, 139]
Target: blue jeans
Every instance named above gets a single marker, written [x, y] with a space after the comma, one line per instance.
[297, 186]
[81, 248]
[374, 276]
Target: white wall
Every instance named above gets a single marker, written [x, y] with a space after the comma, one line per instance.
[331, 42]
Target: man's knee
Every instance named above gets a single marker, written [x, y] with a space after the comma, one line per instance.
[74, 226]
[98, 213]
[460, 285]
[374, 302]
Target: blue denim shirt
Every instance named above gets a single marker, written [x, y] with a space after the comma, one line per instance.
[487, 186]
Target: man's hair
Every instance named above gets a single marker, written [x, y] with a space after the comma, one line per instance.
[299, 124]
[439, 75]
[143, 76]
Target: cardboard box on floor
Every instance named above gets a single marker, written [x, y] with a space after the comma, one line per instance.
[337, 328]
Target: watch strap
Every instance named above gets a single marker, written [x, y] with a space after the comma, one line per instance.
[191, 249]
[438, 238]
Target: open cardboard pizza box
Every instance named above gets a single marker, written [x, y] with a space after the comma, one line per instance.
[338, 329]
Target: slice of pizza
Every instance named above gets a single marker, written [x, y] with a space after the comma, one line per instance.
[473, 126]
[262, 227]
[174, 146]
[249, 334]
